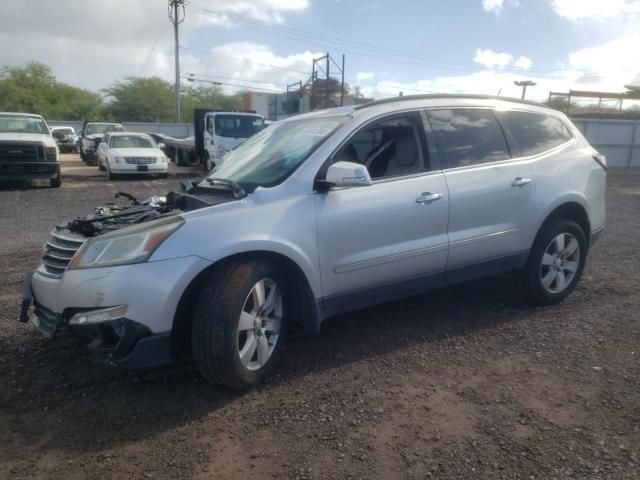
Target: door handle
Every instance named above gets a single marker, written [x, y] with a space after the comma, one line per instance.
[520, 182]
[427, 197]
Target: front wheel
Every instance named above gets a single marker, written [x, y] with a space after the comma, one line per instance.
[57, 181]
[555, 263]
[239, 324]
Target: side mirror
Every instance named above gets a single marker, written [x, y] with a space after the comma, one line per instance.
[348, 174]
[161, 146]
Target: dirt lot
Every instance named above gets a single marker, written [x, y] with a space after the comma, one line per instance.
[466, 382]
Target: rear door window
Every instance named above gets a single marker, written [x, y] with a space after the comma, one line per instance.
[533, 133]
[468, 137]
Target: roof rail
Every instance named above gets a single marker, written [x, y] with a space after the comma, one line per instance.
[446, 95]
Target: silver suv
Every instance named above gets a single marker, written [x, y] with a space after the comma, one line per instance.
[320, 214]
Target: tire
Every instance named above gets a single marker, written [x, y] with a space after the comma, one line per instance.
[83, 156]
[101, 167]
[218, 334]
[111, 175]
[57, 181]
[164, 175]
[551, 282]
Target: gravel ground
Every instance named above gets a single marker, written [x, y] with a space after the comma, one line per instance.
[464, 382]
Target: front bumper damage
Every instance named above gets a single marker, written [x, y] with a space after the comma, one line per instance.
[130, 326]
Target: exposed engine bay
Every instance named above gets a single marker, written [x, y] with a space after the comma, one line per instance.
[113, 216]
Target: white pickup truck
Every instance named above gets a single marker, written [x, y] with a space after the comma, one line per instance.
[27, 149]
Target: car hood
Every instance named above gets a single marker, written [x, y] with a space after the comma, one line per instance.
[136, 152]
[95, 136]
[28, 137]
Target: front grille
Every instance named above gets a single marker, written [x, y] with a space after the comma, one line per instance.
[140, 160]
[22, 152]
[58, 251]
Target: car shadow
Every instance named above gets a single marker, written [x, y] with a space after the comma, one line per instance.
[56, 395]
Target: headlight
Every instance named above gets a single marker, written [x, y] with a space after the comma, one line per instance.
[220, 151]
[120, 160]
[130, 245]
[52, 152]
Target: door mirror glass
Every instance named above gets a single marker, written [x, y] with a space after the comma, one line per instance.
[348, 174]
[161, 146]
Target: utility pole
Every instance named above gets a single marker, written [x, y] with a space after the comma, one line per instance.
[176, 15]
[342, 83]
[524, 84]
[326, 105]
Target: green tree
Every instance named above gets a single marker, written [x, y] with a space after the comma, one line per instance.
[207, 96]
[34, 89]
[138, 99]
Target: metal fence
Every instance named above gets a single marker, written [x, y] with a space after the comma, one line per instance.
[618, 140]
[176, 130]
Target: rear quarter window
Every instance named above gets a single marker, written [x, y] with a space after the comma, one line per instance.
[532, 133]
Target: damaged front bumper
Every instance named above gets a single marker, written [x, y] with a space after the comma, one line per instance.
[125, 313]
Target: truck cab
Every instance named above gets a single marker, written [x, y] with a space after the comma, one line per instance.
[223, 131]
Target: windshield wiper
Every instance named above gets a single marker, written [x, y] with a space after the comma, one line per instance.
[235, 187]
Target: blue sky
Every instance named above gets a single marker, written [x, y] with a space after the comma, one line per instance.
[472, 46]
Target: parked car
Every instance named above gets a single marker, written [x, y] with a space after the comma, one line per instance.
[131, 153]
[91, 136]
[27, 149]
[66, 138]
[324, 213]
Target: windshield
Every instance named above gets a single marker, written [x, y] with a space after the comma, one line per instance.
[20, 124]
[237, 126]
[94, 128]
[131, 141]
[269, 157]
[64, 131]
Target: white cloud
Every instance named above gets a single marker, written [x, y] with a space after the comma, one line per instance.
[605, 67]
[241, 62]
[493, 5]
[92, 47]
[523, 62]
[218, 12]
[490, 59]
[364, 76]
[576, 10]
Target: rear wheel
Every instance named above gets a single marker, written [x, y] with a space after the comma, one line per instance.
[555, 263]
[239, 324]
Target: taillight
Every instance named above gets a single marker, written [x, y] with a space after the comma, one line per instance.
[601, 159]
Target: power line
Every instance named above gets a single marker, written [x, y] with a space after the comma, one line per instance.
[206, 75]
[249, 87]
[162, 28]
[381, 53]
[242, 59]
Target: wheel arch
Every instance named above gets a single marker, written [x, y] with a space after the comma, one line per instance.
[574, 209]
[305, 308]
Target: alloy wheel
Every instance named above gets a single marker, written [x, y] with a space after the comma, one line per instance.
[259, 324]
[560, 263]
